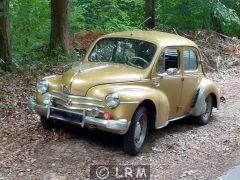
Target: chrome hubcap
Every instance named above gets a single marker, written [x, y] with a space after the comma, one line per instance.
[140, 130]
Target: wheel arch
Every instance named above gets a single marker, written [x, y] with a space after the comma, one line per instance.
[214, 98]
[152, 111]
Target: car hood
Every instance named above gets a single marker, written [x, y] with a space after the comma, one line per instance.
[81, 78]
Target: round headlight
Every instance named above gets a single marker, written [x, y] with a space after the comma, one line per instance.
[112, 100]
[47, 98]
[42, 87]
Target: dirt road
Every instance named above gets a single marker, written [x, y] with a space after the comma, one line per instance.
[181, 150]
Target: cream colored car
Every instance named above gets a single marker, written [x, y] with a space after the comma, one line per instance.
[129, 82]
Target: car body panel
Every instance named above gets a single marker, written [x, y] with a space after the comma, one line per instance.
[87, 74]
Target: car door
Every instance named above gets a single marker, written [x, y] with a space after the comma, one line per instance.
[191, 78]
[169, 82]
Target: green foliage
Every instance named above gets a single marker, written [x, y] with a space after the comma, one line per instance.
[30, 22]
[232, 4]
[106, 15]
[198, 14]
[180, 14]
[184, 14]
[227, 20]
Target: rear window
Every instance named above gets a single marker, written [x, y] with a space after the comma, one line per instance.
[190, 60]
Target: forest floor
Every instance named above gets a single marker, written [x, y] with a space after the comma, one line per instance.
[182, 150]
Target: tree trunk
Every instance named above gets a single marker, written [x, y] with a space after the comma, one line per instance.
[59, 26]
[150, 14]
[5, 52]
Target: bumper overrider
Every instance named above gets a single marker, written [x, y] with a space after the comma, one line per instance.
[119, 126]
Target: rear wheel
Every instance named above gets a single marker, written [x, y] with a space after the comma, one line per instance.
[47, 124]
[204, 118]
[134, 139]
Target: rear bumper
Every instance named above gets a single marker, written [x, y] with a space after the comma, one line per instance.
[119, 126]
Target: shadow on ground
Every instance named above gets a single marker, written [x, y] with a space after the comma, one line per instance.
[113, 142]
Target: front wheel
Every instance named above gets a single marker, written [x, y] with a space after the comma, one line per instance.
[133, 140]
[204, 118]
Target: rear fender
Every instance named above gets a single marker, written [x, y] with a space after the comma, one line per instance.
[206, 88]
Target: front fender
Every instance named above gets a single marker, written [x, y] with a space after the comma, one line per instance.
[131, 97]
[54, 83]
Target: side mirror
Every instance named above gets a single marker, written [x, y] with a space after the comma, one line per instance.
[172, 71]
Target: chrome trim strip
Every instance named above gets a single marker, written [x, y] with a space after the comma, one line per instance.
[76, 97]
[81, 109]
[61, 99]
[166, 77]
[171, 120]
[166, 123]
[88, 104]
[179, 117]
[76, 108]
[133, 102]
[48, 111]
[158, 77]
[72, 79]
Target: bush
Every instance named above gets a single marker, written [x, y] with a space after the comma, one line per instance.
[226, 20]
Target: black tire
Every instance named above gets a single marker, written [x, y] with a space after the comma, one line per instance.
[140, 120]
[204, 118]
[47, 124]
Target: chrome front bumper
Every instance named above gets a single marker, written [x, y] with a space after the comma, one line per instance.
[119, 126]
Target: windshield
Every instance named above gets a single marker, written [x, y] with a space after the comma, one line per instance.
[136, 53]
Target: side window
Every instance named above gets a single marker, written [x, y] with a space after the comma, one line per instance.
[190, 60]
[169, 59]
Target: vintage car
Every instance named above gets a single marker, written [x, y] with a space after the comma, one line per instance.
[128, 83]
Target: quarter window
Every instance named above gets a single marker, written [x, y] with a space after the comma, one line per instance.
[168, 59]
[190, 60]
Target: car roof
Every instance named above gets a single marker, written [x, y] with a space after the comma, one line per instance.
[161, 38]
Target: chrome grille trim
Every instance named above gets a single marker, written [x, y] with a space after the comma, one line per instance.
[76, 97]
[77, 103]
[81, 109]
[88, 104]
